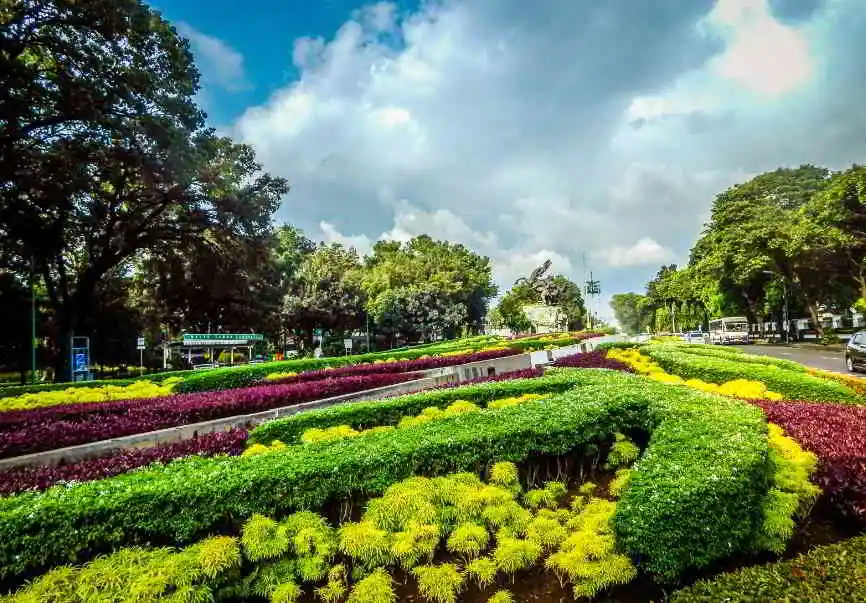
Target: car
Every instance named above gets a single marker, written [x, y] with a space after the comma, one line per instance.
[695, 337]
[855, 351]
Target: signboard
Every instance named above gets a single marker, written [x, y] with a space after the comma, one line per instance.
[80, 362]
[347, 343]
[224, 339]
[140, 344]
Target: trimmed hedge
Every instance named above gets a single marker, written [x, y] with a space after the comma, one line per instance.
[740, 356]
[364, 415]
[695, 496]
[826, 574]
[794, 385]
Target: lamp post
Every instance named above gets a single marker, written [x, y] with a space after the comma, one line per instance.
[32, 319]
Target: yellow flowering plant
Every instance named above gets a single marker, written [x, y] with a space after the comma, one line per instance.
[77, 395]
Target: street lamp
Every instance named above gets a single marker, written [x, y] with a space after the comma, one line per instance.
[784, 305]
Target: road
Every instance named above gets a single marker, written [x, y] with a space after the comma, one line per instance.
[829, 360]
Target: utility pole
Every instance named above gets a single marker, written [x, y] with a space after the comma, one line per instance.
[785, 310]
[593, 290]
[32, 319]
[367, 332]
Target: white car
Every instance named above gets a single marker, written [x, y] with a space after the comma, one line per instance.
[696, 337]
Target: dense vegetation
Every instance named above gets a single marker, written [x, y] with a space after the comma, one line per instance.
[796, 231]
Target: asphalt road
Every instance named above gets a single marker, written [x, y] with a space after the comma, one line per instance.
[828, 360]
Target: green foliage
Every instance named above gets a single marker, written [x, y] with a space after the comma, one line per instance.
[217, 555]
[439, 583]
[362, 415]
[264, 538]
[619, 483]
[483, 570]
[791, 493]
[546, 531]
[468, 540]
[794, 385]
[287, 592]
[504, 474]
[375, 588]
[501, 596]
[694, 496]
[514, 554]
[623, 452]
[416, 543]
[365, 544]
[335, 588]
[630, 310]
[587, 557]
[826, 574]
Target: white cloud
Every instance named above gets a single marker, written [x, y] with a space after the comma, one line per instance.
[553, 129]
[646, 252]
[220, 64]
[762, 54]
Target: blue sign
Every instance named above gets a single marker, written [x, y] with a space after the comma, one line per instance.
[80, 362]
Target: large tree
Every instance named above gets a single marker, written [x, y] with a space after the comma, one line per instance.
[326, 294]
[453, 274]
[101, 151]
[630, 310]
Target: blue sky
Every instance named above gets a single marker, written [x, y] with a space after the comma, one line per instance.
[593, 133]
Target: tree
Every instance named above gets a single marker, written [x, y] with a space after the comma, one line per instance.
[759, 227]
[101, 155]
[417, 313]
[452, 273]
[327, 293]
[630, 310]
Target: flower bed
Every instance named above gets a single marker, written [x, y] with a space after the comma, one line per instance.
[505, 533]
[793, 385]
[595, 359]
[39, 478]
[837, 435]
[694, 497]
[404, 366]
[826, 574]
[23, 432]
[98, 393]
[367, 414]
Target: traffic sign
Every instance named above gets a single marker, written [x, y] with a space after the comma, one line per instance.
[347, 343]
[141, 345]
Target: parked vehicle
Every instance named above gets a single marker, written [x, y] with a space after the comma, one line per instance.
[855, 351]
[695, 337]
[731, 329]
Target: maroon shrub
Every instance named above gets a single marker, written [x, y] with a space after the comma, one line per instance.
[836, 433]
[40, 478]
[595, 359]
[27, 431]
[403, 366]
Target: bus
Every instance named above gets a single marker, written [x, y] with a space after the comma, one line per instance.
[732, 329]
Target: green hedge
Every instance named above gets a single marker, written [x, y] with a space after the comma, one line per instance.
[794, 385]
[363, 415]
[734, 354]
[695, 497]
[826, 574]
[616, 345]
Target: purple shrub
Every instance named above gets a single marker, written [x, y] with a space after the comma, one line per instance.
[402, 366]
[40, 478]
[530, 373]
[596, 359]
[28, 431]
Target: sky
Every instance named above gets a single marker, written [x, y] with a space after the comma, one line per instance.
[592, 133]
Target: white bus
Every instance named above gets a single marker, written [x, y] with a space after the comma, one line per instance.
[733, 329]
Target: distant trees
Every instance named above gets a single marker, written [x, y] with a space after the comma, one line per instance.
[799, 230]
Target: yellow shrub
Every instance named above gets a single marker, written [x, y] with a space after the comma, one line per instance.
[279, 376]
[77, 395]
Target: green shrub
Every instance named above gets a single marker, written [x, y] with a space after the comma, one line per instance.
[794, 385]
[714, 351]
[617, 345]
[826, 574]
[364, 415]
[694, 496]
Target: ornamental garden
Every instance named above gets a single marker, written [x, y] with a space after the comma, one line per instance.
[664, 471]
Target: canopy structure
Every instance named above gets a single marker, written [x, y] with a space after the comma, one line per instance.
[211, 341]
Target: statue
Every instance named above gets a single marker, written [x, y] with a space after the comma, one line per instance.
[550, 291]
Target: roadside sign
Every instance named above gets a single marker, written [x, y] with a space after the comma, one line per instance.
[347, 343]
[141, 345]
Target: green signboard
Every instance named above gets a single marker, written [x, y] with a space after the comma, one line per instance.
[217, 339]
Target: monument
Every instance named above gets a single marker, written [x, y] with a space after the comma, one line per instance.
[548, 316]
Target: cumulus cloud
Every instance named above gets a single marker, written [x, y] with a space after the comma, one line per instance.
[562, 130]
[646, 252]
[220, 64]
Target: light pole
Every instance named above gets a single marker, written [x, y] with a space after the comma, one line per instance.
[32, 319]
